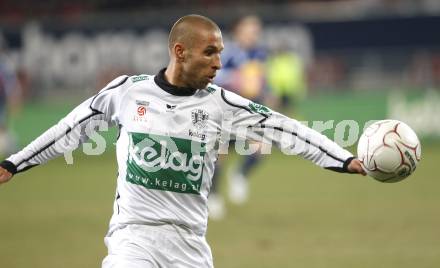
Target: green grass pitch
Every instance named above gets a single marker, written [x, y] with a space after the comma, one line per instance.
[298, 215]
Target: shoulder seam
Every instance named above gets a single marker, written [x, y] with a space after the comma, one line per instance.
[105, 90]
[265, 116]
[233, 104]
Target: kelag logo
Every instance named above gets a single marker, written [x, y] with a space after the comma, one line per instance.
[258, 108]
[165, 163]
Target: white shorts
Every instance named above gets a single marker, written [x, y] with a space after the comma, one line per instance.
[165, 246]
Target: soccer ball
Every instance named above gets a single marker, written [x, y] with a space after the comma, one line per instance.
[389, 150]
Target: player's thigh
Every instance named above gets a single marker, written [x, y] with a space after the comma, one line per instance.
[117, 261]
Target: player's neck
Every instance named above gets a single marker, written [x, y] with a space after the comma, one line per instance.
[164, 83]
[172, 75]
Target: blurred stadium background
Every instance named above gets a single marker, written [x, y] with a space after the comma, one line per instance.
[363, 60]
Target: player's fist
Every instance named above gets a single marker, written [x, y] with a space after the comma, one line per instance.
[5, 175]
[355, 166]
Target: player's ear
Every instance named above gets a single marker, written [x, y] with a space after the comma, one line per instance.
[179, 52]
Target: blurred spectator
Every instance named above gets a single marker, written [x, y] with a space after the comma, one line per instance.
[424, 69]
[328, 72]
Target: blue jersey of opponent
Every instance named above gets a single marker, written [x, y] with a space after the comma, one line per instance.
[243, 71]
[8, 81]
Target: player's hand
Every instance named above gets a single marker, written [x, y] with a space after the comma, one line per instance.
[5, 175]
[355, 166]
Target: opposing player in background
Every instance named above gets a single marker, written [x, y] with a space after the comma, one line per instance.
[10, 93]
[168, 125]
[287, 79]
[244, 72]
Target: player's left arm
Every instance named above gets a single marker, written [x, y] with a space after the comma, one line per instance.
[257, 122]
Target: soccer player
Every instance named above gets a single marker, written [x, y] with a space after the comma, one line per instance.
[9, 99]
[167, 124]
[244, 72]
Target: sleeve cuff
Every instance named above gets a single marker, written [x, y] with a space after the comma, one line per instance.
[9, 166]
[346, 163]
[344, 168]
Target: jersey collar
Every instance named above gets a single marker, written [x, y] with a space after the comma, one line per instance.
[160, 80]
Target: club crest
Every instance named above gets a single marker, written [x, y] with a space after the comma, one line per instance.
[199, 118]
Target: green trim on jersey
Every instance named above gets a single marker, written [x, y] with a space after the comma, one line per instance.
[138, 78]
[211, 89]
[259, 108]
[165, 163]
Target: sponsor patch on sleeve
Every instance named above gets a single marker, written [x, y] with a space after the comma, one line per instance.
[259, 108]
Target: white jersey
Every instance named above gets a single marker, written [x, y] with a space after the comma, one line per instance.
[168, 143]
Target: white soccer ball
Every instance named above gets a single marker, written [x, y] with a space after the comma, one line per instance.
[389, 150]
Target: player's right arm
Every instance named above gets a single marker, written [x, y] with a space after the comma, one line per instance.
[68, 133]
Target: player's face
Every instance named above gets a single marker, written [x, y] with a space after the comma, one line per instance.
[203, 59]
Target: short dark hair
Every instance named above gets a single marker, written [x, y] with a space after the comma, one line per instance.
[184, 28]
